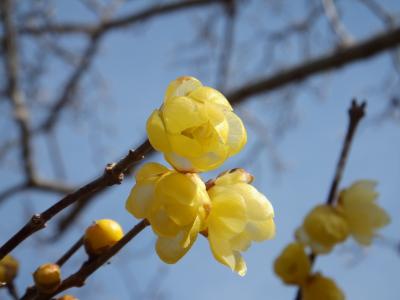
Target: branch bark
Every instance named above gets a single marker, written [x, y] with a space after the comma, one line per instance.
[324, 63]
[114, 174]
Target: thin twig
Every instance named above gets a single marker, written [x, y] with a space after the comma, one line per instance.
[356, 113]
[337, 59]
[12, 290]
[71, 251]
[78, 279]
[117, 23]
[114, 174]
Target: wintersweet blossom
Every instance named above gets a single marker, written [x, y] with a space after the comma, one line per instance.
[174, 203]
[319, 287]
[363, 215]
[322, 229]
[195, 127]
[293, 265]
[239, 214]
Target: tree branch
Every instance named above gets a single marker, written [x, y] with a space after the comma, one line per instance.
[78, 278]
[337, 59]
[114, 174]
[356, 113]
[117, 23]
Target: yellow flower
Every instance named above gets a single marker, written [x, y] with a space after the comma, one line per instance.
[363, 215]
[319, 287]
[47, 278]
[102, 235]
[195, 127]
[293, 265]
[239, 215]
[8, 269]
[322, 229]
[175, 205]
[67, 297]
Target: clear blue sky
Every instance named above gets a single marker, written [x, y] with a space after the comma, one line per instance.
[137, 65]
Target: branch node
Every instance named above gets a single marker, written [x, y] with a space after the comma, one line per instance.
[357, 110]
[115, 175]
[37, 222]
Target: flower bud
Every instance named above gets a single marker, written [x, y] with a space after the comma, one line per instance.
[293, 265]
[47, 278]
[102, 235]
[67, 297]
[8, 269]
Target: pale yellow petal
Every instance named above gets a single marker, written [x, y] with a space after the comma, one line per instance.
[149, 170]
[141, 199]
[237, 136]
[162, 224]
[170, 250]
[181, 86]
[234, 176]
[228, 212]
[261, 230]
[156, 132]
[177, 188]
[182, 113]
[207, 94]
[180, 163]
[184, 146]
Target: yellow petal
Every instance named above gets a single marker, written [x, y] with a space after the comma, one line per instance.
[237, 136]
[320, 287]
[180, 163]
[162, 224]
[149, 170]
[156, 132]
[228, 212]
[181, 86]
[234, 176]
[207, 94]
[261, 230]
[293, 265]
[223, 253]
[185, 146]
[170, 250]
[182, 113]
[177, 188]
[141, 199]
[257, 205]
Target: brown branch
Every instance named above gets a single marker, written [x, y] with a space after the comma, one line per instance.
[71, 251]
[117, 23]
[11, 64]
[337, 59]
[72, 83]
[356, 113]
[78, 279]
[113, 174]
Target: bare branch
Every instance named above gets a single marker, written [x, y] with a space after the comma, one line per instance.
[337, 59]
[356, 113]
[118, 23]
[113, 174]
[11, 64]
[334, 21]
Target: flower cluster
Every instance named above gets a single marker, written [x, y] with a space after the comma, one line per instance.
[356, 214]
[293, 266]
[197, 130]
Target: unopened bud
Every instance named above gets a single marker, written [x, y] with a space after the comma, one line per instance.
[8, 269]
[47, 278]
[102, 235]
[67, 297]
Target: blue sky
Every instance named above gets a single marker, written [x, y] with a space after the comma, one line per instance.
[137, 65]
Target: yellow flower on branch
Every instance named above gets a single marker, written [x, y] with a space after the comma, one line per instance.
[363, 215]
[196, 127]
[322, 229]
[174, 204]
[293, 265]
[318, 287]
[239, 215]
